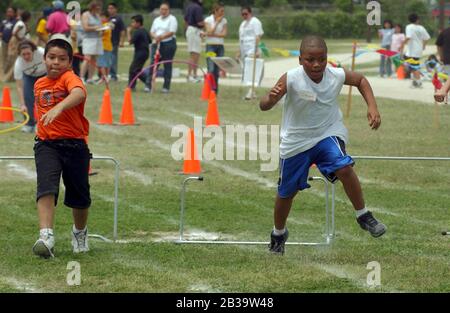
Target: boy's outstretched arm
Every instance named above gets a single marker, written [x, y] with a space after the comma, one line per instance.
[358, 80]
[441, 94]
[276, 93]
[76, 96]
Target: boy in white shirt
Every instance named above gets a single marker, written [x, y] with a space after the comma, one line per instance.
[416, 40]
[313, 132]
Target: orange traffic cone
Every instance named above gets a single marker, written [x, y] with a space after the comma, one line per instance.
[6, 115]
[212, 117]
[401, 72]
[191, 162]
[206, 87]
[106, 116]
[127, 115]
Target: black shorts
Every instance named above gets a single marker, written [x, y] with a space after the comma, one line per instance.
[69, 157]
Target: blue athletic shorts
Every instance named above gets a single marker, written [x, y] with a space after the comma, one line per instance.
[329, 156]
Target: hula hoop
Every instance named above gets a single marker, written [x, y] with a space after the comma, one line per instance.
[27, 118]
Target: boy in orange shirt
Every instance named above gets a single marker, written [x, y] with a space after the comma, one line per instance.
[60, 147]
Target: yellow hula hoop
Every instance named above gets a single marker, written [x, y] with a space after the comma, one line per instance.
[7, 130]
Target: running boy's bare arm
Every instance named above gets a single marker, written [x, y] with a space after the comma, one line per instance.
[358, 80]
[75, 97]
[276, 93]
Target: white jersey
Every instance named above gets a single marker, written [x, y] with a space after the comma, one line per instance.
[417, 34]
[311, 111]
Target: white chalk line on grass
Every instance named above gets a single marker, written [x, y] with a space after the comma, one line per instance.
[21, 285]
[21, 170]
[142, 178]
[353, 277]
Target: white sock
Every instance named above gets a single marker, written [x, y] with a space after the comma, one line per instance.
[76, 231]
[46, 231]
[361, 212]
[278, 232]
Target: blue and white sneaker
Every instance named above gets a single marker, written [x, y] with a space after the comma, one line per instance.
[80, 241]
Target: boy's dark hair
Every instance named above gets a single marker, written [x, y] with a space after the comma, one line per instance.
[413, 17]
[313, 41]
[25, 16]
[246, 7]
[105, 14]
[60, 43]
[113, 4]
[138, 19]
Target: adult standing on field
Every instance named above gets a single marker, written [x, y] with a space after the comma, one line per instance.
[118, 37]
[194, 24]
[443, 47]
[162, 32]
[92, 40]
[250, 33]
[6, 28]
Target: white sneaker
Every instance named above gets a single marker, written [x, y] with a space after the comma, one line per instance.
[250, 95]
[27, 129]
[147, 90]
[80, 241]
[44, 246]
[194, 79]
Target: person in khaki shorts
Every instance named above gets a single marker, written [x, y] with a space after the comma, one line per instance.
[194, 23]
[6, 28]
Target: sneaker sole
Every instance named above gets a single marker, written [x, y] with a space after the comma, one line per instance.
[41, 250]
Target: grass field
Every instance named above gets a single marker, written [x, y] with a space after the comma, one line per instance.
[235, 201]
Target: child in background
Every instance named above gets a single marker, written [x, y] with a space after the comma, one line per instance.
[104, 61]
[60, 148]
[398, 38]
[385, 34]
[141, 40]
[41, 31]
[313, 131]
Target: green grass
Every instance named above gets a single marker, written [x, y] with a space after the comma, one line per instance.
[412, 198]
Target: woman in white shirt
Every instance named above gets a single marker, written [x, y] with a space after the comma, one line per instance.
[216, 31]
[163, 32]
[28, 68]
[250, 33]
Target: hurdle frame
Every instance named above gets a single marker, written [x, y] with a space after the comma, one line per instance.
[116, 190]
[330, 230]
[329, 219]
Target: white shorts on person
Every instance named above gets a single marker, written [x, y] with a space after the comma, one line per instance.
[194, 41]
[92, 46]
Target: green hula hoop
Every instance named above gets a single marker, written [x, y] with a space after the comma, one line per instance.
[7, 130]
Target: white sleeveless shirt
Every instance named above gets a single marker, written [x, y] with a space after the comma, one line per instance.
[311, 111]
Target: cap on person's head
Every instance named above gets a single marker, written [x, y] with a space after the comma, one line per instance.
[59, 37]
[62, 41]
[58, 5]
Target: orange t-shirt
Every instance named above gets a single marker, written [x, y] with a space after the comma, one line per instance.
[71, 123]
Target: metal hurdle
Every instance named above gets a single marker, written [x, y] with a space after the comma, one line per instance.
[329, 227]
[116, 190]
[329, 219]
